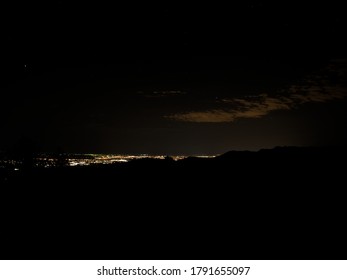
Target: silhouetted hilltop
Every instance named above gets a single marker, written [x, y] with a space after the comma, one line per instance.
[286, 151]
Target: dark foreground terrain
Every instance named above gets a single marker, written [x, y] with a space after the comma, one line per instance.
[284, 203]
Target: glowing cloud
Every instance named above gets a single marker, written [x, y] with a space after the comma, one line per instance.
[315, 90]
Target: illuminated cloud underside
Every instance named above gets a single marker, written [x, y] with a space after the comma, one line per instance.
[262, 105]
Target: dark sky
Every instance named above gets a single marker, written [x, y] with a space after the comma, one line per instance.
[173, 79]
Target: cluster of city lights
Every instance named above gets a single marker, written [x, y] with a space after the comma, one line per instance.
[92, 159]
[109, 159]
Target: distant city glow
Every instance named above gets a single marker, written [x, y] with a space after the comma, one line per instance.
[107, 159]
[91, 159]
[110, 158]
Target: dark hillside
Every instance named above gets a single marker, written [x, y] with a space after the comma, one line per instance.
[280, 203]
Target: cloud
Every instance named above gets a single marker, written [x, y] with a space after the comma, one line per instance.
[245, 109]
[317, 94]
[213, 116]
[315, 90]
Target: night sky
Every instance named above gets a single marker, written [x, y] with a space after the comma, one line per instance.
[173, 79]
